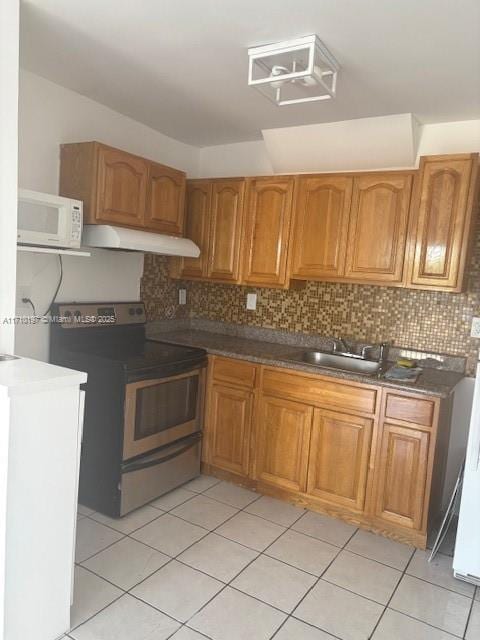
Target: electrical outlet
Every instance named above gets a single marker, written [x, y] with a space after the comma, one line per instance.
[182, 296]
[475, 330]
[251, 301]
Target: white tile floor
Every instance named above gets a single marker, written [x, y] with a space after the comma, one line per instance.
[212, 560]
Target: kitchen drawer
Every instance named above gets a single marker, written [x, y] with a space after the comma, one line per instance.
[236, 372]
[319, 391]
[409, 409]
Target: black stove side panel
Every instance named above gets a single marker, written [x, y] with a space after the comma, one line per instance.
[102, 444]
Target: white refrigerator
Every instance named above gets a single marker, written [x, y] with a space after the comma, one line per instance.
[466, 561]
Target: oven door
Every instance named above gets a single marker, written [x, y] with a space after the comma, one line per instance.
[160, 411]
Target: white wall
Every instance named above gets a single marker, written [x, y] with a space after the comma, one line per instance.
[251, 158]
[450, 137]
[9, 21]
[462, 409]
[238, 159]
[9, 35]
[50, 115]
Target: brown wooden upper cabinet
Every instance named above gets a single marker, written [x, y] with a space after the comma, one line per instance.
[226, 226]
[197, 225]
[322, 208]
[123, 189]
[214, 221]
[268, 207]
[377, 231]
[166, 199]
[363, 228]
[443, 219]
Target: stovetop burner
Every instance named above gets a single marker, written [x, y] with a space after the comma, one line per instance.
[115, 332]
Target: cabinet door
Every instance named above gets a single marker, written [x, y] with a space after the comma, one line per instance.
[442, 222]
[282, 443]
[229, 427]
[268, 213]
[199, 198]
[339, 456]
[401, 476]
[122, 187]
[378, 227]
[166, 200]
[226, 230]
[322, 206]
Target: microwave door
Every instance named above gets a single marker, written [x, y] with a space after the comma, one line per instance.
[40, 223]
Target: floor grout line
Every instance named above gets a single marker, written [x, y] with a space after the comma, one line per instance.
[403, 573]
[469, 616]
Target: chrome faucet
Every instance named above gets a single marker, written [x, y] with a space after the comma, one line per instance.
[382, 351]
[340, 346]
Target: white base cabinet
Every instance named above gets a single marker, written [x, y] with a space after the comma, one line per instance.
[45, 424]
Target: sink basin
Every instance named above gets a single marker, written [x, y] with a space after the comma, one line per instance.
[343, 363]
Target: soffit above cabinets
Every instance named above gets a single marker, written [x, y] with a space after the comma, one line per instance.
[364, 144]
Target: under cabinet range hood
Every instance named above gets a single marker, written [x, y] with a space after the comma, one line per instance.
[105, 236]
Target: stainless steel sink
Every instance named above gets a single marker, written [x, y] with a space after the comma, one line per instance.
[343, 363]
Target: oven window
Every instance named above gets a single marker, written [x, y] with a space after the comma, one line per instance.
[165, 405]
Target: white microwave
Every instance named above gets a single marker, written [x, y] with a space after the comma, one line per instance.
[48, 220]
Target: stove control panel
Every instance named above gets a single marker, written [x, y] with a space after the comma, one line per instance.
[99, 314]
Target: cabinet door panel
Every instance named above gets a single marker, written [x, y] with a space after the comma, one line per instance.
[322, 207]
[378, 227]
[268, 213]
[283, 435]
[166, 201]
[441, 222]
[339, 454]
[402, 476]
[226, 230]
[122, 187]
[229, 426]
[199, 199]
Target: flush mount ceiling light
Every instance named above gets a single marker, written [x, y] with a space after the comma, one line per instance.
[294, 71]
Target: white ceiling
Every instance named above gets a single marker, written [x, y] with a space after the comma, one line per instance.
[180, 66]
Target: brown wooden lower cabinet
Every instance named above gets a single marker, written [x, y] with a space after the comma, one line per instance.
[229, 427]
[402, 475]
[339, 457]
[282, 443]
[378, 464]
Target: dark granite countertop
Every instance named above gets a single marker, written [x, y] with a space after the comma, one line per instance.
[438, 382]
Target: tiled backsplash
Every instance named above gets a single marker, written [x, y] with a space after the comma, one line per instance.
[425, 320]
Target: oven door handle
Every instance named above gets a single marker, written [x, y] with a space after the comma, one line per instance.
[161, 457]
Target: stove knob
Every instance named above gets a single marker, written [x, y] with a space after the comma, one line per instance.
[67, 314]
[131, 311]
[77, 314]
[139, 311]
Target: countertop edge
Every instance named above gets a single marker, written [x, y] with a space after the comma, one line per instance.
[24, 376]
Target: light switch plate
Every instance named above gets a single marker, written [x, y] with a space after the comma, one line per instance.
[475, 330]
[251, 301]
[182, 296]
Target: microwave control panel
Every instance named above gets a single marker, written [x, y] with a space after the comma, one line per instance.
[77, 219]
